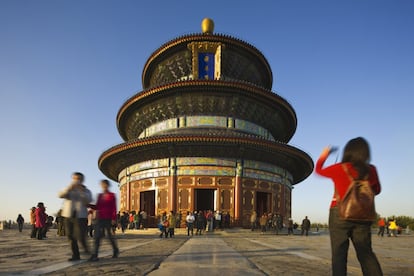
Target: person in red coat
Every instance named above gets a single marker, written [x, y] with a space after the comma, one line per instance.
[41, 218]
[356, 159]
[106, 216]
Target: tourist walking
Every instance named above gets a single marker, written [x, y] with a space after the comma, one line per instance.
[306, 224]
[200, 222]
[164, 224]
[253, 220]
[355, 160]
[60, 223]
[278, 223]
[76, 200]
[381, 227]
[263, 222]
[105, 209]
[144, 218]
[124, 221]
[20, 222]
[290, 226]
[190, 223]
[218, 220]
[209, 221]
[393, 228]
[171, 223]
[33, 222]
[41, 218]
[137, 220]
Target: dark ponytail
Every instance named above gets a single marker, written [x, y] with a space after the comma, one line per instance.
[357, 153]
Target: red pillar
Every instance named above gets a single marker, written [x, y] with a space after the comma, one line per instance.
[172, 187]
[238, 199]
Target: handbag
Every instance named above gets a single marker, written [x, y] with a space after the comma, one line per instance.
[358, 203]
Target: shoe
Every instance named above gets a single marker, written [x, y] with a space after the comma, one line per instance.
[93, 258]
[116, 253]
[73, 259]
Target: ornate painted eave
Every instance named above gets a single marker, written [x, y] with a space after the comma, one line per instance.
[238, 99]
[117, 158]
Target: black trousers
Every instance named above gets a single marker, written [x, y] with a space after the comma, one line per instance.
[341, 231]
[34, 231]
[40, 233]
[190, 228]
[171, 232]
[76, 230]
[102, 226]
[381, 231]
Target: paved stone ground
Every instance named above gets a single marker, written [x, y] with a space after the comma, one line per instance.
[300, 255]
[143, 252]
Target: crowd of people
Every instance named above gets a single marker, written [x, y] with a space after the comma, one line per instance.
[274, 222]
[40, 222]
[131, 220]
[390, 227]
[202, 221]
[79, 218]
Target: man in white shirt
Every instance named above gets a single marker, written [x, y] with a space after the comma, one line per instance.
[190, 223]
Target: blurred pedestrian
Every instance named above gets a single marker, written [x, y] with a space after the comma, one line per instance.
[190, 223]
[306, 224]
[20, 222]
[355, 164]
[172, 223]
[33, 222]
[393, 228]
[41, 218]
[144, 219]
[290, 226]
[381, 227]
[77, 198]
[253, 220]
[263, 222]
[106, 216]
[163, 224]
[200, 222]
[60, 223]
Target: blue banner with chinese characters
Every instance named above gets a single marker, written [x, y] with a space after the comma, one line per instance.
[206, 66]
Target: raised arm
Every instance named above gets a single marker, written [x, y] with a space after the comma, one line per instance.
[321, 161]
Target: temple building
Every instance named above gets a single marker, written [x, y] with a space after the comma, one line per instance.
[206, 133]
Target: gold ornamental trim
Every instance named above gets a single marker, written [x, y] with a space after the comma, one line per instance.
[217, 38]
[206, 47]
[241, 87]
[284, 150]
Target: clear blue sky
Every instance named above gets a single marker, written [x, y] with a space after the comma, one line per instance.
[66, 67]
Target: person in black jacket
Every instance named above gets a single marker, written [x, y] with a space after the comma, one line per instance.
[20, 221]
[305, 226]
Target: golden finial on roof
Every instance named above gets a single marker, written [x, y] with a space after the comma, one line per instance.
[207, 26]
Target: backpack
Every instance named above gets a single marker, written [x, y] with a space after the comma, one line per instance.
[358, 202]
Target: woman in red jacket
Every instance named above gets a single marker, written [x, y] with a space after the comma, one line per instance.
[356, 158]
[106, 216]
[40, 223]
